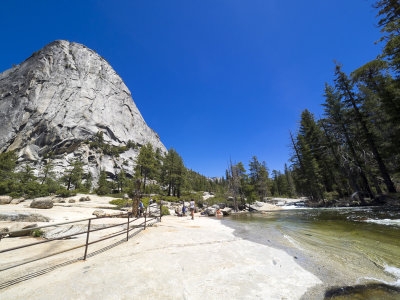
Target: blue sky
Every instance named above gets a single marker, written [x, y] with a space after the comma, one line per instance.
[217, 79]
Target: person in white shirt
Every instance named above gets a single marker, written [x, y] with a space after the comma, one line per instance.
[192, 208]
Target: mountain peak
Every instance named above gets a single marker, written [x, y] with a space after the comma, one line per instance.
[61, 97]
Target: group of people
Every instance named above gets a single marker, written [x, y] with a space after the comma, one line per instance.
[183, 213]
[191, 208]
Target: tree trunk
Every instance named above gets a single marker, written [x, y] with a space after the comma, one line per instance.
[169, 188]
[144, 183]
[69, 183]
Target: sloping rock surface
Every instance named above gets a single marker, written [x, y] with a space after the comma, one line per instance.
[61, 97]
[22, 217]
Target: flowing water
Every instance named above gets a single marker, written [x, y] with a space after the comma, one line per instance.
[354, 251]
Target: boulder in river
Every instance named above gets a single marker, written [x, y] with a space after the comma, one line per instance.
[227, 211]
[5, 199]
[258, 204]
[42, 203]
[211, 211]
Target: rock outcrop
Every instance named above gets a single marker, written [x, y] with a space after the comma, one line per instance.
[5, 200]
[59, 99]
[211, 211]
[99, 213]
[227, 211]
[42, 204]
[22, 217]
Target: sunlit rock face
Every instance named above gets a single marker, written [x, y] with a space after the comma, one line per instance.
[59, 99]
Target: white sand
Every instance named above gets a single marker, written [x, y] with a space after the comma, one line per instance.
[177, 259]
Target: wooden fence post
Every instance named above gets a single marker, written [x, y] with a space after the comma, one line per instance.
[127, 229]
[145, 216]
[87, 239]
[160, 210]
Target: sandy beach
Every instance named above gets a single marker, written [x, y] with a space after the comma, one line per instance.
[178, 258]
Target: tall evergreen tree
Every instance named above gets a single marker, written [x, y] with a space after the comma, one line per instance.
[345, 87]
[73, 174]
[258, 176]
[173, 172]
[146, 164]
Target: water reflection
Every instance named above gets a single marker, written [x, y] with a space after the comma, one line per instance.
[350, 246]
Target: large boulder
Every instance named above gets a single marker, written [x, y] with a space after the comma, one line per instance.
[18, 230]
[42, 204]
[5, 199]
[3, 231]
[17, 200]
[211, 211]
[154, 210]
[258, 204]
[227, 211]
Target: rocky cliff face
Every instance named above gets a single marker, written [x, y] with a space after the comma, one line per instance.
[58, 99]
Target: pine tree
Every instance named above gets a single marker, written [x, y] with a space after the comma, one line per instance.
[103, 186]
[345, 87]
[389, 13]
[73, 175]
[88, 181]
[146, 164]
[258, 176]
[121, 181]
[173, 172]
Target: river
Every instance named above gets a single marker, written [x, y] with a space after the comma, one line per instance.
[354, 251]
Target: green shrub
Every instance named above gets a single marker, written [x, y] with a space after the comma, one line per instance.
[331, 196]
[37, 233]
[121, 203]
[63, 192]
[103, 190]
[16, 194]
[9, 186]
[164, 211]
[34, 189]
